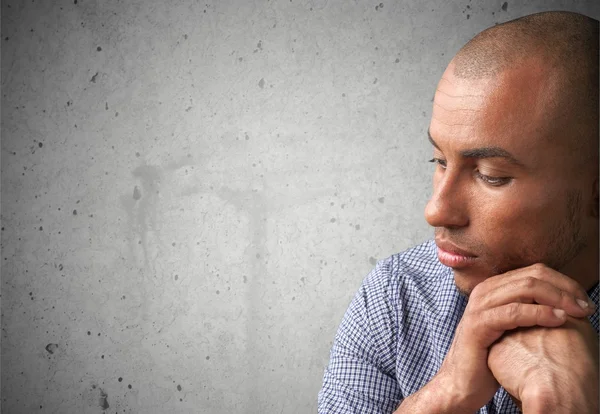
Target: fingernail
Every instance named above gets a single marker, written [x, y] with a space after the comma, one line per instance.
[558, 312]
[582, 303]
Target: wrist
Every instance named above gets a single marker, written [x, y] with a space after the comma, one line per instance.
[561, 399]
[445, 395]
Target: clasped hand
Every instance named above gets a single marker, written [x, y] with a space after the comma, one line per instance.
[526, 330]
[549, 370]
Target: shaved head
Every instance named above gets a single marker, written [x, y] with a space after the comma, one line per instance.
[514, 129]
[565, 45]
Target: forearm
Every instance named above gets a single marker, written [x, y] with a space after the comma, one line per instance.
[438, 396]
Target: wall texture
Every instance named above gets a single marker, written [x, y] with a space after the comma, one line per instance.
[192, 192]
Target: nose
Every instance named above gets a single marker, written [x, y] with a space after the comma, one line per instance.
[447, 206]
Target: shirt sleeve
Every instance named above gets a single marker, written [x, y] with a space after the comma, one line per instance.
[360, 376]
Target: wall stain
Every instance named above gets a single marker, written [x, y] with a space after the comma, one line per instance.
[104, 400]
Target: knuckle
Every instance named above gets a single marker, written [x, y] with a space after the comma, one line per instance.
[513, 311]
[540, 267]
[564, 295]
[529, 282]
[539, 313]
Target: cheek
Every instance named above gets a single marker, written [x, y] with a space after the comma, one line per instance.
[514, 218]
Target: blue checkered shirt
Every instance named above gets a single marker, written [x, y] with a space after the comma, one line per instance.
[395, 335]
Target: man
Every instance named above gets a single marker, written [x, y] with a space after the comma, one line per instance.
[500, 311]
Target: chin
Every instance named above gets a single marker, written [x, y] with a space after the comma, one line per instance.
[466, 281]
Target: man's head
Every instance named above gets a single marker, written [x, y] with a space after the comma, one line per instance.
[515, 135]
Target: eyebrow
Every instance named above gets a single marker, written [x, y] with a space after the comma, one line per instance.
[483, 152]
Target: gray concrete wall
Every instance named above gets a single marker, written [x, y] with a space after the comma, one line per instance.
[193, 191]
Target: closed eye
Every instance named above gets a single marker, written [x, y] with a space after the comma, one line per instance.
[493, 181]
[489, 180]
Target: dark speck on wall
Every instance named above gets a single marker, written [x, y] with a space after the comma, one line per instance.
[74, 1]
[93, 80]
[40, 145]
[136, 193]
[74, 212]
[207, 357]
[51, 348]
[120, 379]
[129, 386]
[372, 260]
[381, 199]
[505, 6]
[468, 16]
[99, 49]
[179, 388]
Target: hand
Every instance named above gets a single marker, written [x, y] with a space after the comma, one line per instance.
[519, 298]
[549, 369]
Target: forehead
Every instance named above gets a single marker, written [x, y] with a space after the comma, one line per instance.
[509, 110]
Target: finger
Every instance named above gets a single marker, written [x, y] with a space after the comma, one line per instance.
[492, 323]
[538, 271]
[529, 289]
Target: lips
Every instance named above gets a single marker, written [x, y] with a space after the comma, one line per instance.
[453, 256]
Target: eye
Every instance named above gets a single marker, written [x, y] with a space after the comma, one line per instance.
[493, 181]
[439, 161]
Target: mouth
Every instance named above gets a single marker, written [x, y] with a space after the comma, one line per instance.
[453, 256]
